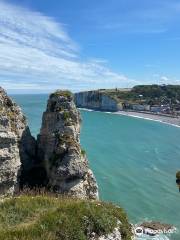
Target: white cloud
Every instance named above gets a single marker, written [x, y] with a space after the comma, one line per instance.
[37, 53]
[164, 79]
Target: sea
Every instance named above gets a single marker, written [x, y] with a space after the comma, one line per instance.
[134, 160]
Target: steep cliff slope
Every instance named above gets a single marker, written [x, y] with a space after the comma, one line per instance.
[97, 100]
[59, 148]
[16, 144]
[55, 161]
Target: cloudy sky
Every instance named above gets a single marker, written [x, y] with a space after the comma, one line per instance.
[47, 45]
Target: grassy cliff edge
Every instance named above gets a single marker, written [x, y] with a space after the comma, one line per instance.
[50, 218]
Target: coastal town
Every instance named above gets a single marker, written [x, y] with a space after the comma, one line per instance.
[153, 102]
[157, 99]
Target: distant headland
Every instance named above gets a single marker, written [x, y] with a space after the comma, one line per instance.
[154, 102]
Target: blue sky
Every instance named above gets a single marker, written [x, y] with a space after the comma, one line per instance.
[47, 45]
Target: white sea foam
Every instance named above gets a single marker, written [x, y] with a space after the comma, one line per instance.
[147, 118]
[155, 168]
[158, 237]
[131, 115]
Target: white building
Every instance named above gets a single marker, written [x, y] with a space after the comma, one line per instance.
[141, 107]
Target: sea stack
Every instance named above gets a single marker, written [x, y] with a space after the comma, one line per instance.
[59, 149]
[55, 161]
[16, 145]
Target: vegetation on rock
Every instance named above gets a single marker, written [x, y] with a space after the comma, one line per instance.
[47, 217]
[149, 94]
[63, 93]
[178, 175]
[83, 152]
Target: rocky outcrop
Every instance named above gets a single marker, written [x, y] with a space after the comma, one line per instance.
[17, 146]
[97, 100]
[59, 149]
[153, 228]
[55, 161]
[156, 226]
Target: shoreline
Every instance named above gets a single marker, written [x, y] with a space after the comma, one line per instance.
[152, 117]
[173, 121]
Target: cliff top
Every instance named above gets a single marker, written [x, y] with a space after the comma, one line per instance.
[46, 217]
[149, 94]
[11, 115]
[62, 93]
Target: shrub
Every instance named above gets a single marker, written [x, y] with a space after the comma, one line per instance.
[66, 116]
[63, 93]
[178, 175]
[83, 152]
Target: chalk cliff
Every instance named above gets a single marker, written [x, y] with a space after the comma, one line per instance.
[59, 148]
[97, 100]
[55, 161]
[17, 146]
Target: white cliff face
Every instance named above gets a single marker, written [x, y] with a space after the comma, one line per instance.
[56, 161]
[9, 163]
[95, 100]
[59, 148]
[13, 134]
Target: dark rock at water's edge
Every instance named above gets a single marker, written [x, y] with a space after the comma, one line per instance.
[178, 175]
[55, 161]
[154, 228]
[156, 225]
[178, 179]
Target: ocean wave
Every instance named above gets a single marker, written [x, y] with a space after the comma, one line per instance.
[156, 169]
[131, 115]
[158, 237]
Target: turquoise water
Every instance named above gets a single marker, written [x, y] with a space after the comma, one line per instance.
[134, 160]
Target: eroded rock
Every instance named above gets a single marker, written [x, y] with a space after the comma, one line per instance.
[156, 225]
[17, 146]
[55, 161]
[59, 148]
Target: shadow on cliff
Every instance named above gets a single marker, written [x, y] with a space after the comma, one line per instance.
[32, 173]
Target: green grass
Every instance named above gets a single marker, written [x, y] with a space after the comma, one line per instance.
[63, 93]
[150, 94]
[83, 152]
[50, 218]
